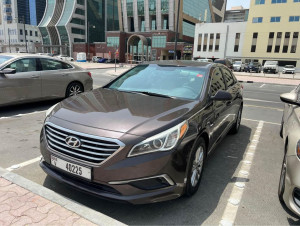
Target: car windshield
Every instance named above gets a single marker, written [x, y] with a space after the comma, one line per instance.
[289, 66]
[4, 59]
[238, 62]
[161, 80]
[271, 62]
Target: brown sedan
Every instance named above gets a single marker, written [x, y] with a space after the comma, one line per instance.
[145, 136]
[27, 78]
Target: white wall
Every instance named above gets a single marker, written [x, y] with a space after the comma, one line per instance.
[225, 50]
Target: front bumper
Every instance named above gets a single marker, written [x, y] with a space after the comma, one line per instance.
[292, 184]
[288, 71]
[125, 179]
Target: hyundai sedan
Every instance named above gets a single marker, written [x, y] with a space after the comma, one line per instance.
[145, 136]
[27, 78]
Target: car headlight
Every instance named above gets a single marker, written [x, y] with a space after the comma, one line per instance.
[164, 141]
[48, 112]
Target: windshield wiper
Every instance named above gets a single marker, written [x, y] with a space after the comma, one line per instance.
[153, 94]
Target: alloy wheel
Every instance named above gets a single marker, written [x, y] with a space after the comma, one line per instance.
[75, 90]
[197, 166]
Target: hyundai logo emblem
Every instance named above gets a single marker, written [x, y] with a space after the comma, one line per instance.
[73, 142]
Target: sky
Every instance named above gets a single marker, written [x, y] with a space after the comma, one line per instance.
[244, 3]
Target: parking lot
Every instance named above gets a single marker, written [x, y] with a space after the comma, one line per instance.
[239, 182]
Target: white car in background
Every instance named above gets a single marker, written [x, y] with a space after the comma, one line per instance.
[271, 66]
[238, 66]
[288, 69]
[65, 58]
[205, 60]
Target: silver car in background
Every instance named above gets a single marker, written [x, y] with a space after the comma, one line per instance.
[289, 185]
[27, 78]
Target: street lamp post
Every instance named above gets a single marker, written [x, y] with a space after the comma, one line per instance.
[176, 35]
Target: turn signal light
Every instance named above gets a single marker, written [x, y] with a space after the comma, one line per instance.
[90, 74]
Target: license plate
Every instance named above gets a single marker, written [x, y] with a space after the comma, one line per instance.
[71, 167]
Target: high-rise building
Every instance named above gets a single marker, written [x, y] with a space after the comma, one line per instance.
[218, 8]
[236, 14]
[16, 28]
[77, 21]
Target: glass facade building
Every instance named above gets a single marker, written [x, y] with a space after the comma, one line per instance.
[197, 9]
[31, 11]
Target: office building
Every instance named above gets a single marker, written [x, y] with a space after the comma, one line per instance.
[76, 21]
[236, 14]
[273, 31]
[15, 27]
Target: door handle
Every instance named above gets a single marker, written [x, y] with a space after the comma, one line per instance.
[64, 75]
[228, 103]
[35, 76]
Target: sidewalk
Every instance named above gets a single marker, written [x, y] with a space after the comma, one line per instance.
[90, 65]
[23, 202]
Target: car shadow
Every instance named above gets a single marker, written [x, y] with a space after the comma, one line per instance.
[219, 172]
[27, 108]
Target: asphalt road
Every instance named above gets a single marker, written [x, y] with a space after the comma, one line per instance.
[20, 128]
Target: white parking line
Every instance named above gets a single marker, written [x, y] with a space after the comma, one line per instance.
[267, 101]
[262, 85]
[253, 120]
[20, 115]
[20, 165]
[235, 198]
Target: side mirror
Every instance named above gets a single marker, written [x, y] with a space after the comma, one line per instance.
[8, 71]
[222, 96]
[289, 98]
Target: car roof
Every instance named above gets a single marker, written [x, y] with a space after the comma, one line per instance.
[186, 63]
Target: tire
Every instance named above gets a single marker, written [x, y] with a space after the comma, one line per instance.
[281, 185]
[74, 88]
[195, 167]
[236, 126]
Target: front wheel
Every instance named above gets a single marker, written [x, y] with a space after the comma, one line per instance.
[74, 89]
[195, 169]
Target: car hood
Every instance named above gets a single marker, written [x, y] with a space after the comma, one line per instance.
[135, 114]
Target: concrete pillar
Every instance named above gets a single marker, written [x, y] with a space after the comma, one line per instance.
[147, 17]
[135, 16]
[158, 14]
[171, 15]
[125, 19]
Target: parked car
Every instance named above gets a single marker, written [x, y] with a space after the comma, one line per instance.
[103, 60]
[271, 66]
[205, 60]
[112, 61]
[238, 66]
[253, 66]
[288, 69]
[26, 78]
[145, 136]
[289, 184]
[65, 58]
[95, 59]
[226, 62]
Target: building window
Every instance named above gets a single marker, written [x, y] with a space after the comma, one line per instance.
[80, 2]
[278, 1]
[79, 40]
[36, 33]
[296, 0]
[259, 2]
[205, 42]
[79, 12]
[286, 42]
[270, 42]
[294, 42]
[254, 42]
[26, 32]
[217, 43]
[78, 21]
[275, 19]
[294, 19]
[113, 41]
[152, 7]
[153, 25]
[278, 41]
[164, 6]
[159, 41]
[30, 32]
[21, 40]
[21, 32]
[257, 20]
[199, 42]
[211, 42]
[140, 7]
[237, 42]
[78, 31]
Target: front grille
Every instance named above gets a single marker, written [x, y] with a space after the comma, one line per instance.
[93, 149]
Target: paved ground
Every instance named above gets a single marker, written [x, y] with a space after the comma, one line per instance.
[20, 125]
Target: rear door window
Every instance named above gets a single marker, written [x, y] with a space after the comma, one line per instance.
[50, 65]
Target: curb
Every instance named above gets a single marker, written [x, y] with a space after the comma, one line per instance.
[81, 210]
